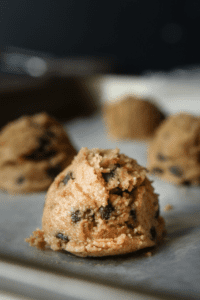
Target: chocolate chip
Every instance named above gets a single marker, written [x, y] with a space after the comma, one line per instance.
[176, 171]
[106, 211]
[62, 237]
[186, 183]
[157, 214]
[37, 155]
[157, 170]
[75, 216]
[54, 171]
[126, 191]
[50, 134]
[133, 214]
[116, 191]
[130, 226]
[118, 166]
[43, 141]
[67, 178]
[20, 180]
[41, 152]
[153, 233]
[108, 176]
[161, 157]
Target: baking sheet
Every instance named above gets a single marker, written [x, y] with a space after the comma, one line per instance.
[174, 268]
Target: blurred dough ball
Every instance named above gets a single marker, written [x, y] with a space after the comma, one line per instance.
[33, 151]
[174, 153]
[131, 117]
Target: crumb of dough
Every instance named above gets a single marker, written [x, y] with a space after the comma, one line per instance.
[148, 254]
[168, 207]
[37, 239]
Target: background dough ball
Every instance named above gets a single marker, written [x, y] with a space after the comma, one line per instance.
[131, 118]
[174, 153]
[102, 204]
[33, 150]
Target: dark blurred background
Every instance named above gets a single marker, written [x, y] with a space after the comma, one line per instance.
[140, 34]
[136, 36]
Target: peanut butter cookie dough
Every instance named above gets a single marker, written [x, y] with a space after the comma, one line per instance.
[174, 153]
[131, 118]
[102, 204]
[33, 150]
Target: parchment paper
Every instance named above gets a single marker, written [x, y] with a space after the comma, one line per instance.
[174, 268]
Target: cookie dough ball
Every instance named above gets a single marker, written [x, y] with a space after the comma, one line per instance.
[33, 150]
[131, 118]
[102, 204]
[174, 153]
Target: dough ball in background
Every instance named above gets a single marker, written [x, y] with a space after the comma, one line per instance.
[174, 153]
[131, 117]
[33, 150]
[102, 204]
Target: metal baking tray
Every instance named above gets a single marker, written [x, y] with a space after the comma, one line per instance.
[172, 271]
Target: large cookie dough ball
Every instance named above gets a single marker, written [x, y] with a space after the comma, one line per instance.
[174, 153]
[102, 204]
[131, 118]
[33, 150]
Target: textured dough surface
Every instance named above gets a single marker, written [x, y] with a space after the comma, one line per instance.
[131, 118]
[102, 204]
[33, 150]
[174, 153]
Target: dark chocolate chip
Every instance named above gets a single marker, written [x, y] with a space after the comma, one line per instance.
[187, 183]
[54, 171]
[67, 178]
[75, 216]
[37, 155]
[130, 226]
[133, 214]
[43, 142]
[153, 233]
[106, 211]
[118, 166]
[20, 180]
[50, 134]
[117, 191]
[176, 171]
[157, 214]
[41, 152]
[157, 170]
[161, 157]
[126, 191]
[62, 237]
[108, 176]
